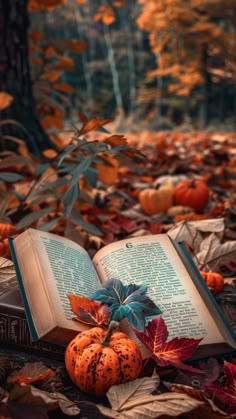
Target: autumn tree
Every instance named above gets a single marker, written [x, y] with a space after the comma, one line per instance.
[194, 44]
[20, 119]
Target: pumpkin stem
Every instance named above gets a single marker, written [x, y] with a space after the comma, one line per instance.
[113, 326]
[192, 184]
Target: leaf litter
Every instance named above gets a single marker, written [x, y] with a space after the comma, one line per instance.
[118, 214]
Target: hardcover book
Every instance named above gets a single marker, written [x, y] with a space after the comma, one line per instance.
[14, 331]
[49, 267]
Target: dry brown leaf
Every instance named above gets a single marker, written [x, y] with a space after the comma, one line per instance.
[125, 396]
[215, 256]
[190, 232]
[7, 270]
[169, 404]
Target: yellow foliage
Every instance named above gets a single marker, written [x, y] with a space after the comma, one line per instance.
[190, 39]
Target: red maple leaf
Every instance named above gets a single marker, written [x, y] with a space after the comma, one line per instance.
[165, 353]
[89, 311]
[226, 393]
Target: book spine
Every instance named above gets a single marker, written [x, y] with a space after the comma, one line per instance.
[14, 334]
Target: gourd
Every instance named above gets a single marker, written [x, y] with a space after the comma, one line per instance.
[97, 359]
[154, 201]
[192, 193]
[214, 281]
[169, 180]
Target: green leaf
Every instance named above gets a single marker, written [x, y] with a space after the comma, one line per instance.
[50, 224]
[127, 301]
[32, 217]
[39, 199]
[91, 176]
[40, 168]
[76, 218]
[69, 198]
[68, 150]
[81, 168]
[49, 186]
[10, 177]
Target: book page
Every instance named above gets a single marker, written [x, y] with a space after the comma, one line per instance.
[53, 266]
[154, 261]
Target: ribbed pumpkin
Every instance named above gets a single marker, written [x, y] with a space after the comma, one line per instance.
[214, 281]
[192, 193]
[154, 201]
[97, 359]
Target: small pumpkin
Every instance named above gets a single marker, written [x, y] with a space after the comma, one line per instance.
[97, 359]
[214, 281]
[154, 201]
[192, 193]
[169, 180]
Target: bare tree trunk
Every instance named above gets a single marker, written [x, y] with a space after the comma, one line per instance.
[113, 67]
[15, 76]
[85, 63]
[131, 66]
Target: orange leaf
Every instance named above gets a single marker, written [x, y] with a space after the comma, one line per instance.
[76, 46]
[117, 3]
[5, 100]
[116, 140]
[65, 64]
[53, 76]
[89, 311]
[49, 153]
[35, 36]
[64, 87]
[30, 373]
[107, 174]
[50, 51]
[52, 121]
[94, 124]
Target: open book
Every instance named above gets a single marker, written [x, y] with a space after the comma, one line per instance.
[49, 266]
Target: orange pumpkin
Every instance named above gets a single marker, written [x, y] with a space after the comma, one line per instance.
[214, 281]
[154, 201]
[192, 193]
[97, 359]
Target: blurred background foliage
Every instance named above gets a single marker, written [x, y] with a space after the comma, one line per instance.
[152, 65]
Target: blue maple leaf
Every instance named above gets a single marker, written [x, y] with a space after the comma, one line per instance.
[127, 301]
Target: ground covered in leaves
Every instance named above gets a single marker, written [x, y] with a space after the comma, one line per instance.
[40, 388]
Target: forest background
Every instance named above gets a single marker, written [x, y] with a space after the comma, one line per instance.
[160, 76]
[152, 65]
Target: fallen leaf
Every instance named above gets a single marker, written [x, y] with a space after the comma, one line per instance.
[125, 396]
[29, 395]
[172, 352]
[30, 373]
[154, 406]
[190, 232]
[226, 393]
[7, 270]
[211, 369]
[218, 255]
